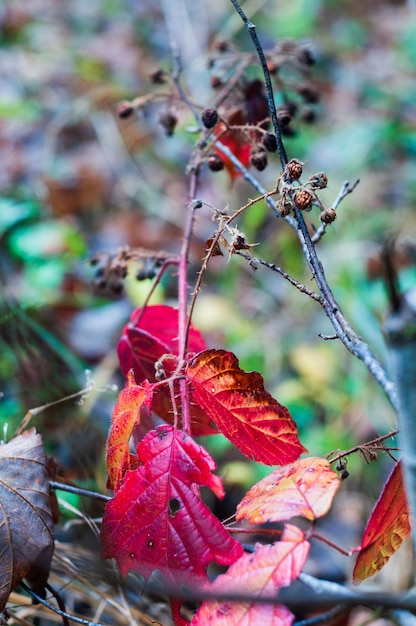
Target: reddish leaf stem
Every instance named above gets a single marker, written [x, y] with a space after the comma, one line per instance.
[329, 543]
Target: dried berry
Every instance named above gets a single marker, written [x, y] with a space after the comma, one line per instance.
[303, 200]
[284, 116]
[215, 163]
[308, 115]
[216, 82]
[328, 216]
[272, 67]
[158, 76]
[306, 56]
[124, 110]
[294, 169]
[168, 121]
[269, 142]
[344, 474]
[283, 208]
[288, 131]
[209, 117]
[258, 159]
[318, 181]
[291, 106]
[309, 93]
[222, 45]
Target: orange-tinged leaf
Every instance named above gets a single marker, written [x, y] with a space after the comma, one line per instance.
[260, 574]
[126, 415]
[387, 527]
[304, 488]
[242, 409]
[156, 519]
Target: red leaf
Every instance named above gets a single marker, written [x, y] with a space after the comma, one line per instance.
[253, 109]
[126, 416]
[148, 338]
[305, 488]
[238, 144]
[260, 574]
[242, 409]
[156, 520]
[387, 527]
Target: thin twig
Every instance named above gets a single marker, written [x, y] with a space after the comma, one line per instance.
[286, 276]
[374, 443]
[63, 614]
[345, 190]
[39, 409]
[323, 618]
[87, 493]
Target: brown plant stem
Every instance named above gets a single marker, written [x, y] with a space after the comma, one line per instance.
[374, 445]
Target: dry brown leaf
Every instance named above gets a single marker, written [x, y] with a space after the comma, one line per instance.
[26, 524]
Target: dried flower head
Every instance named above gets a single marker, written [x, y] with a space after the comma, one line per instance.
[303, 200]
[318, 181]
[328, 216]
[294, 169]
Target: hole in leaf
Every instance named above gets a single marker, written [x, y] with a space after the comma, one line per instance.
[174, 506]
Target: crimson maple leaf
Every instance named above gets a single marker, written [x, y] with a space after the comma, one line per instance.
[156, 520]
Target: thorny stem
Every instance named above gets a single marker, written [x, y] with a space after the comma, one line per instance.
[286, 276]
[269, 89]
[374, 444]
[346, 334]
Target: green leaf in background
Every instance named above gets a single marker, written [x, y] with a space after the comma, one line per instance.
[46, 239]
[13, 212]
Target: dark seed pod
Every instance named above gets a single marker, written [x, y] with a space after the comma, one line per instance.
[124, 110]
[328, 216]
[303, 200]
[168, 121]
[209, 117]
[344, 474]
[269, 142]
[215, 163]
[258, 159]
[294, 169]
